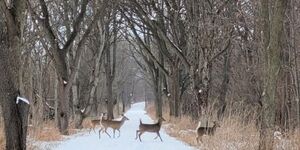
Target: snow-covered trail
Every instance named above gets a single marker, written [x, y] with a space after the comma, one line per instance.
[127, 140]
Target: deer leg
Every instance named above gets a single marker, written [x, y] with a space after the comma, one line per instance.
[119, 132]
[100, 133]
[114, 132]
[106, 132]
[91, 129]
[158, 135]
[199, 138]
[140, 136]
[137, 131]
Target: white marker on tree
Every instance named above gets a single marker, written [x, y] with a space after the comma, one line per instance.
[22, 99]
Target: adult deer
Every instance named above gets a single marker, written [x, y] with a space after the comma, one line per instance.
[114, 124]
[95, 122]
[154, 128]
[206, 130]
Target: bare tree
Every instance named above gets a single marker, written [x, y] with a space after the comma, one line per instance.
[14, 113]
[272, 33]
[58, 51]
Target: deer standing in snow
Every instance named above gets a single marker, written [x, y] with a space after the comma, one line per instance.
[94, 123]
[114, 124]
[154, 128]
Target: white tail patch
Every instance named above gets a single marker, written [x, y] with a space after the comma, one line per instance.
[199, 124]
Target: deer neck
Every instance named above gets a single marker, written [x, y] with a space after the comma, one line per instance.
[123, 120]
[214, 128]
[159, 123]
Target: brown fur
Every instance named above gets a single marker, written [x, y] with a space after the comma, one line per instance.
[154, 128]
[94, 123]
[206, 130]
[114, 124]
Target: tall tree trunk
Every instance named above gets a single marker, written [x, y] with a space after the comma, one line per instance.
[272, 66]
[78, 114]
[175, 91]
[56, 98]
[37, 105]
[109, 80]
[63, 107]
[110, 105]
[225, 84]
[15, 115]
[75, 98]
[123, 101]
[295, 68]
[202, 91]
[158, 95]
[110, 67]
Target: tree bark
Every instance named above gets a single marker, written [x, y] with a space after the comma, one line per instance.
[15, 115]
[272, 67]
[109, 80]
[224, 85]
[110, 66]
[63, 107]
[158, 94]
[37, 104]
[175, 91]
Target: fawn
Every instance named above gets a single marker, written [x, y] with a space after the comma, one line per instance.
[154, 128]
[206, 130]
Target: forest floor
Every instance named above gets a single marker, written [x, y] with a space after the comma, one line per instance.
[84, 140]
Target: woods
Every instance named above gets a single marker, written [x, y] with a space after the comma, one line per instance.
[208, 60]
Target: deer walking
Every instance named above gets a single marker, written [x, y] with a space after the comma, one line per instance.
[154, 128]
[114, 124]
[94, 123]
[206, 130]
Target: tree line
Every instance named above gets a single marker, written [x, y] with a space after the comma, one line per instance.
[74, 59]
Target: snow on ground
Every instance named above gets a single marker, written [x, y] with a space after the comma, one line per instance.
[86, 141]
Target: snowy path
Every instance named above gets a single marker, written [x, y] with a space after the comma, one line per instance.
[127, 140]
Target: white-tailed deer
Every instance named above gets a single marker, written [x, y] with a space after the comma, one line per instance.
[154, 128]
[95, 122]
[114, 124]
[206, 130]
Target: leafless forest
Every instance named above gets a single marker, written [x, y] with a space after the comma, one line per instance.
[204, 59]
